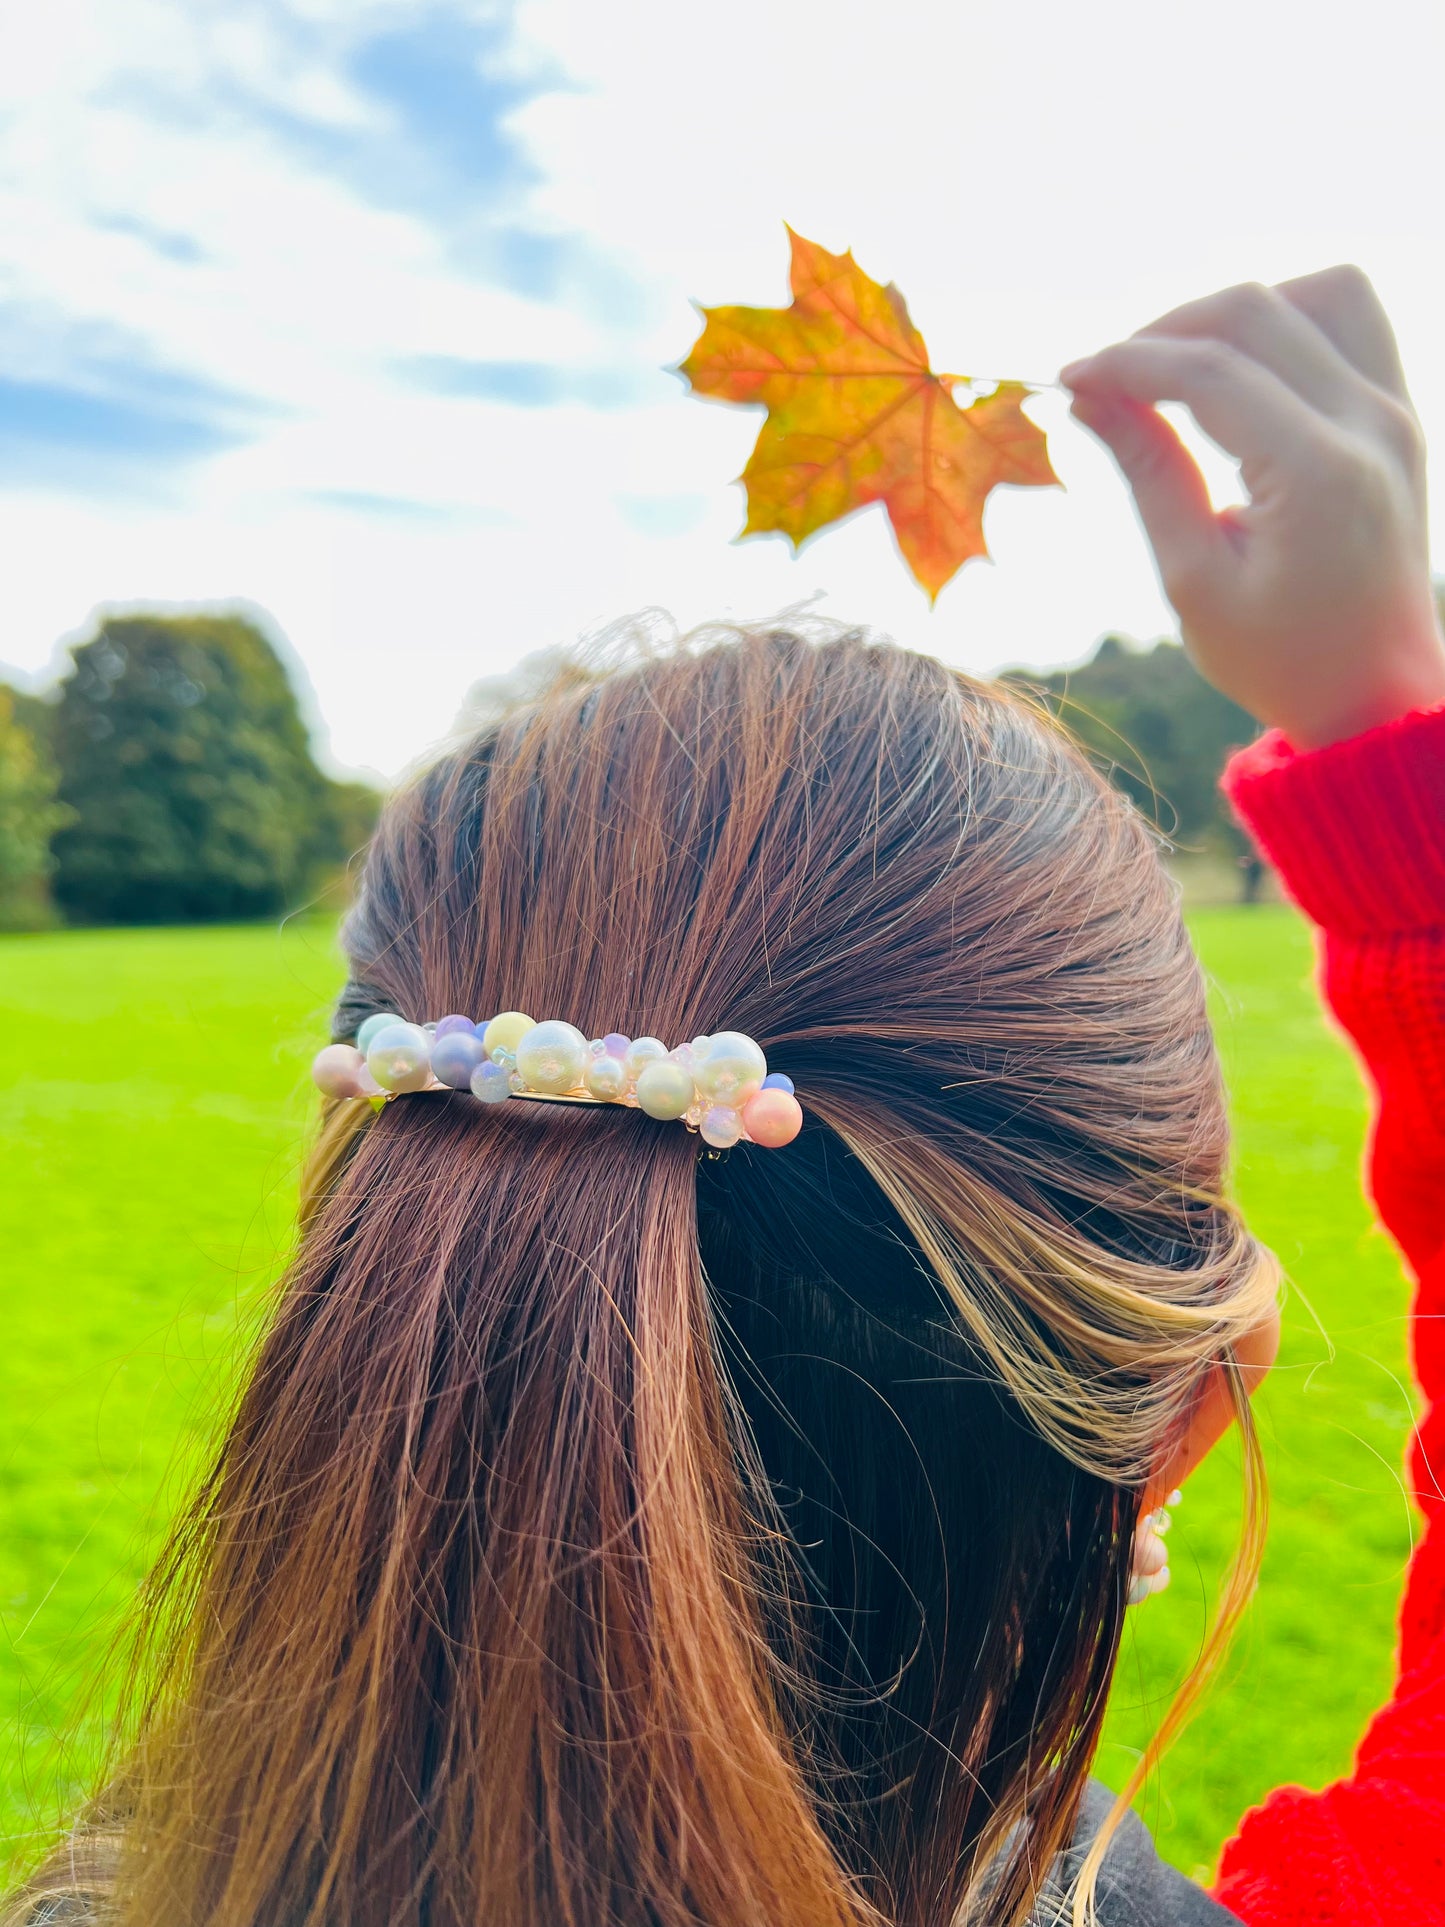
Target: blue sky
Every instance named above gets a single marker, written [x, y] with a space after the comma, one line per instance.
[362, 310]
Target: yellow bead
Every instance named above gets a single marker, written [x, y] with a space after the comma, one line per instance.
[506, 1031]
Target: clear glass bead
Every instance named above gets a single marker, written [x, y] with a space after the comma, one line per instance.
[721, 1127]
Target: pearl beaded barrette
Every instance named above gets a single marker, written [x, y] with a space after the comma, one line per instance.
[719, 1086]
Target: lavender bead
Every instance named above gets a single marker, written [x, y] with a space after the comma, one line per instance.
[455, 1057]
[777, 1081]
[614, 1044]
[491, 1083]
[458, 1026]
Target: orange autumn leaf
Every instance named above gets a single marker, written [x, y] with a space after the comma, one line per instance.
[856, 415]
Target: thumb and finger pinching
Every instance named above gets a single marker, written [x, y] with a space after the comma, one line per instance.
[1168, 488]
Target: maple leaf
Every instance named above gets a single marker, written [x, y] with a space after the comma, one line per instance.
[856, 415]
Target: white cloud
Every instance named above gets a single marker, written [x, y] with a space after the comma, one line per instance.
[1038, 181]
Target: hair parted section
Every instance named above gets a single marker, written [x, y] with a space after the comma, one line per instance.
[610, 1537]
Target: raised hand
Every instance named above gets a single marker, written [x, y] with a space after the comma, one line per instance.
[1312, 606]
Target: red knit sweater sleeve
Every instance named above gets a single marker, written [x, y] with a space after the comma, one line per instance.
[1357, 833]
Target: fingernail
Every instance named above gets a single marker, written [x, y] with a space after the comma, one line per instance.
[1076, 371]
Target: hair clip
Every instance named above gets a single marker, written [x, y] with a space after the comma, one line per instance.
[719, 1086]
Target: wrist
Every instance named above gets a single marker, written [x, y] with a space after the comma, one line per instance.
[1334, 718]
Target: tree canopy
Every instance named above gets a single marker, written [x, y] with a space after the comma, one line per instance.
[187, 770]
[29, 812]
[1159, 731]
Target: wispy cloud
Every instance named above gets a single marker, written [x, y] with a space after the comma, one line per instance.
[529, 384]
[117, 425]
[391, 508]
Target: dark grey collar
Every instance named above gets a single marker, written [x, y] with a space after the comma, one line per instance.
[1136, 1888]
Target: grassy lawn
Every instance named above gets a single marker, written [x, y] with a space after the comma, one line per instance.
[155, 1101]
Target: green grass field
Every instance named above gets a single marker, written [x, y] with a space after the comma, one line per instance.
[155, 1100]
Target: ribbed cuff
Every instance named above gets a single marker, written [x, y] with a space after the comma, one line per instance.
[1356, 830]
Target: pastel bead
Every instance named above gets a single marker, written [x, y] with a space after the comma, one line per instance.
[371, 1025]
[642, 1051]
[772, 1118]
[455, 1056]
[778, 1081]
[721, 1127]
[551, 1057]
[664, 1089]
[399, 1059]
[605, 1077]
[337, 1071]
[458, 1026]
[491, 1083]
[614, 1044]
[507, 1030]
[730, 1069]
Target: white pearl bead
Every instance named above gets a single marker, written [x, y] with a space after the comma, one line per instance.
[730, 1069]
[664, 1089]
[400, 1057]
[551, 1057]
[605, 1077]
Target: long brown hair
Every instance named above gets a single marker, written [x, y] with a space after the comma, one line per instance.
[610, 1536]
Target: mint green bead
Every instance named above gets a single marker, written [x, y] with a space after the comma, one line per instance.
[664, 1089]
[372, 1025]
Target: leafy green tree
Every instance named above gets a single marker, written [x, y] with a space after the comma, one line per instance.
[186, 762]
[1161, 733]
[29, 814]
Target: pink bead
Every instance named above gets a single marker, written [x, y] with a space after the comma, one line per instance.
[772, 1118]
[340, 1071]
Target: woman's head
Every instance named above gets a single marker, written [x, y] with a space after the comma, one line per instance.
[610, 1535]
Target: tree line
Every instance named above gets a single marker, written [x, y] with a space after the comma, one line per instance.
[168, 778]
[1160, 733]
